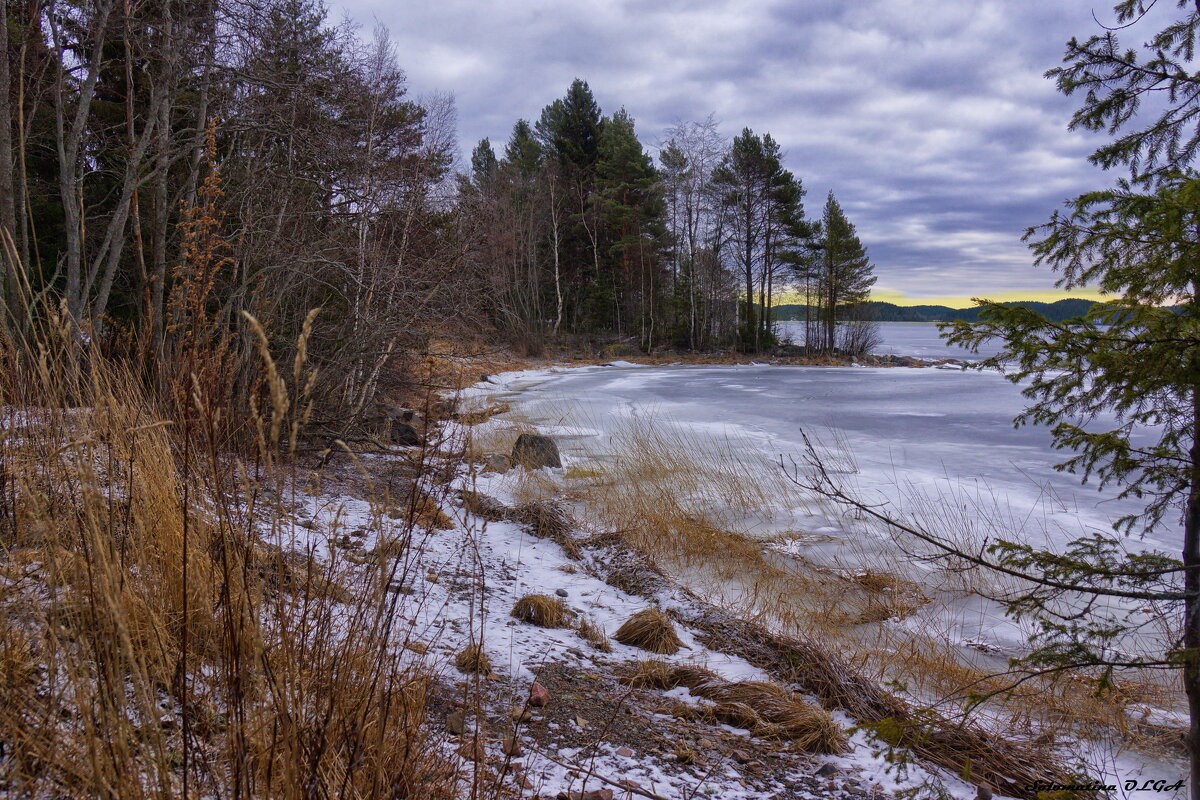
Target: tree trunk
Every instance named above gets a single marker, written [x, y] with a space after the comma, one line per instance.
[1191, 628]
[8, 216]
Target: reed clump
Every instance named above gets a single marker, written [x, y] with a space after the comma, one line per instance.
[543, 611]
[765, 709]
[473, 660]
[650, 630]
[592, 633]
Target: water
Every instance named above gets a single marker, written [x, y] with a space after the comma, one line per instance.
[919, 339]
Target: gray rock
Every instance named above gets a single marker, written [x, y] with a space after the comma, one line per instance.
[984, 793]
[827, 771]
[534, 451]
[405, 435]
[406, 414]
[561, 592]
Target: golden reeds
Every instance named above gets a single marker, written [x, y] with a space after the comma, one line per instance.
[543, 611]
[473, 659]
[650, 630]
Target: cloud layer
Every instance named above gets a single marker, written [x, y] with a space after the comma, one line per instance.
[931, 122]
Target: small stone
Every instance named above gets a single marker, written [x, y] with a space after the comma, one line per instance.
[512, 747]
[456, 724]
[624, 751]
[561, 592]
[539, 696]
[827, 771]
[580, 721]
[706, 743]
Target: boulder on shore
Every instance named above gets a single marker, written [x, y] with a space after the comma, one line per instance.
[534, 451]
[405, 435]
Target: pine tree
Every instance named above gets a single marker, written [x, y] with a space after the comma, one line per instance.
[484, 165]
[844, 273]
[629, 195]
[569, 133]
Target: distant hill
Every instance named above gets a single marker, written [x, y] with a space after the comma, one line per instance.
[890, 312]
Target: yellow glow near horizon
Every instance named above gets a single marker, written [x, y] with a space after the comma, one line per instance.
[955, 301]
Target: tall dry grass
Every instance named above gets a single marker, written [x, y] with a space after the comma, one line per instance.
[159, 635]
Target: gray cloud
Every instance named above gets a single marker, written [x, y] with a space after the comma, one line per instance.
[930, 121]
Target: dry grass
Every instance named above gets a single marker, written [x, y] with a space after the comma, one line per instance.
[543, 611]
[152, 637]
[650, 630]
[594, 635]
[472, 659]
[776, 713]
[765, 709]
[1008, 762]
[548, 520]
[471, 418]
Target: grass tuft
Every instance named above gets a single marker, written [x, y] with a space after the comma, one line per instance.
[543, 611]
[594, 634]
[650, 630]
[472, 659]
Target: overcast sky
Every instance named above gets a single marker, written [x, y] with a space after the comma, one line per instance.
[930, 121]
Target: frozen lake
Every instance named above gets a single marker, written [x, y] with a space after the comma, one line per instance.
[935, 445]
[932, 432]
[919, 339]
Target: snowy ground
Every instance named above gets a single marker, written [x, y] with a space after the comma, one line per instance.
[921, 441]
[458, 586]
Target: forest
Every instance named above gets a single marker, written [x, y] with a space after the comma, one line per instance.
[167, 168]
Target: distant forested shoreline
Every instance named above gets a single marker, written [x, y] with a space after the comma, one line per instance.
[1057, 311]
